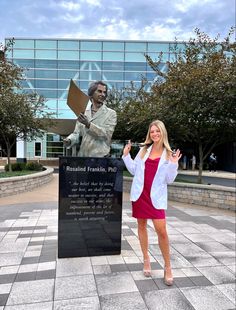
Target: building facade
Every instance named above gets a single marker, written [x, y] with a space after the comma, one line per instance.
[51, 63]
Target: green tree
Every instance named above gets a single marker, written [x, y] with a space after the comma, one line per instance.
[196, 97]
[22, 115]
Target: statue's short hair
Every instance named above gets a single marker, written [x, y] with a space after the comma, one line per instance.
[93, 87]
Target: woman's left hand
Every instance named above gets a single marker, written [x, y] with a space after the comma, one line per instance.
[175, 156]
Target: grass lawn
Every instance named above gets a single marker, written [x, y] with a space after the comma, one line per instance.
[4, 174]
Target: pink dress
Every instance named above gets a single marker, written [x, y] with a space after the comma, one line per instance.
[143, 207]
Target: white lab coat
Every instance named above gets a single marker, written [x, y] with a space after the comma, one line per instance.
[166, 174]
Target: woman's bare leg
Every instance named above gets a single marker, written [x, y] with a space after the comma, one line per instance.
[143, 239]
[163, 241]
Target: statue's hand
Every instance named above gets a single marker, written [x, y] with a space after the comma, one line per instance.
[84, 120]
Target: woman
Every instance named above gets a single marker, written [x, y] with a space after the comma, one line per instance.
[153, 168]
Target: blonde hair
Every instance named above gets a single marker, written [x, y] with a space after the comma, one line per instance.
[164, 138]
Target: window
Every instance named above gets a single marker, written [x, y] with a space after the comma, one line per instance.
[135, 46]
[90, 45]
[37, 149]
[46, 44]
[68, 45]
[113, 46]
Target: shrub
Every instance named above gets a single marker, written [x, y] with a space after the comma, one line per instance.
[15, 167]
[34, 166]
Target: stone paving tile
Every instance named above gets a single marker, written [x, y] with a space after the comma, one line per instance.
[218, 274]
[75, 287]
[146, 285]
[123, 301]
[34, 306]
[87, 303]
[171, 299]
[207, 298]
[115, 283]
[228, 290]
[74, 266]
[31, 291]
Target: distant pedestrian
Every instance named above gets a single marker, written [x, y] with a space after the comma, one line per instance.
[193, 160]
[212, 162]
[184, 162]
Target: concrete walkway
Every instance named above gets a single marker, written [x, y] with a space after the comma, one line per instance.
[33, 278]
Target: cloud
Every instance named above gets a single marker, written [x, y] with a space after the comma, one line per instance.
[116, 19]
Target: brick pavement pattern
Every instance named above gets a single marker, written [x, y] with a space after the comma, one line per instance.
[33, 278]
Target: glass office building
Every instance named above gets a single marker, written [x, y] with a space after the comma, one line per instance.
[51, 63]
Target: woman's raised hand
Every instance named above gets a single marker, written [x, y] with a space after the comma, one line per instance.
[175, 156]
[127, 148]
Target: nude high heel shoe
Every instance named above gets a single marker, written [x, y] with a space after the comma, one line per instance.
[168, 281]
[147, 271]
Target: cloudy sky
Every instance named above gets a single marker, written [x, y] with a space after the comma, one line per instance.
[115, 19]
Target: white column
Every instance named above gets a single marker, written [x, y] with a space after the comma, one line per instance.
[21, 154]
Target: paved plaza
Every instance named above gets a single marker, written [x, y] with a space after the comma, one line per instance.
[33, 278]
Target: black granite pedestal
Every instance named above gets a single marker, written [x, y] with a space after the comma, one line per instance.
[90, 206]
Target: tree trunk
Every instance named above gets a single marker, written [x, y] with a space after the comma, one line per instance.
[9, 156]
[199, 179]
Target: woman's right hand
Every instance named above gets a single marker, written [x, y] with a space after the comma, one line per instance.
[127, 148]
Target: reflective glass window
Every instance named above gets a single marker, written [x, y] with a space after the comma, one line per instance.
[115, 76]
[90, 75]
[46, 54]
[67, 114]
[29, 83]
[113, 46]
[46, 83]
[29, 73]
[68, 74]
[64, 55]
[84, 85]
[62, 104]
[151, 75]
[136, 84]
[21, 43]
[155, 56]
[135, 46]
[46, 44]
[116, 85]
[51, 103]
[68, 64]
[47, 93]
[113, 65]
[23, 53]
[116, 56]
[91, 45]
[25, 63]
[45, 64]
[135, 57]
[173, 57]
[68, 45]
[132, 76]
[24, 84]
[158, 47]
[46, 74]
[90, 65]
[8, 54]
[63, 93]
[177, 47]
[135, 66]
[90, 55]
[63, 84]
